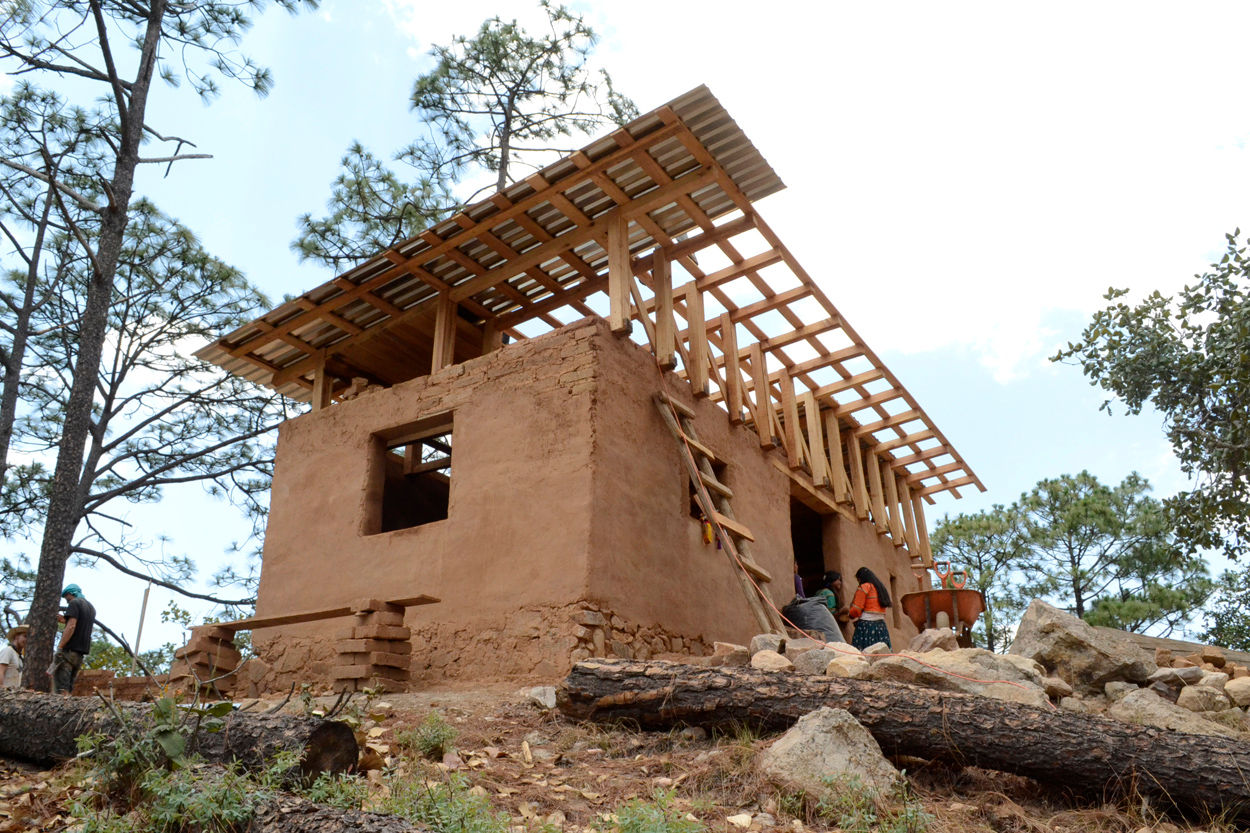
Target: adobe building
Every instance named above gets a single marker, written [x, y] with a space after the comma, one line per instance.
[505, 412]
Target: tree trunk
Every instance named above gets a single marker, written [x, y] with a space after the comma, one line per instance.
[1080, 752]
[65, 499]
[294, 815]
[41, 728]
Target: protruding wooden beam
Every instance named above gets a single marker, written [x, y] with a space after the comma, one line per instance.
[922, 530]
[733, 369]
[665, 324]
[891, 502]
[444, 333]
[696, 373]
[620, 274]
[909, 516]
[859, 489]
[763, 413]
[323, 384]
[818, 459]
[790, 413]
[873, 465]
[492, 336]
[838, 480]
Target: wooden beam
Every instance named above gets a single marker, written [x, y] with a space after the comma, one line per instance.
[859, 489]
[763, 399]
[790, 414]
[665, 324]
[909, 517]
[733, 369]
[620, 275]
[838, 481]
[888, 422]
[696, 372]
[445, 317]
[323, 385]
[922, 530]
[819, 458]
[921, 476]
[910, 439]
[950, 484]
[893, 519]
[873, 464]
[492, 336]
[850, 382]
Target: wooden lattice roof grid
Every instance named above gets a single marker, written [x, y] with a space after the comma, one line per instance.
[611, 230]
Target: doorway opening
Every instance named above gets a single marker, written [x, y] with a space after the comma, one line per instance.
[807, 536]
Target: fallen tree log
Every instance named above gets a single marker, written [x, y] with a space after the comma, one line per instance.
[295, 815]
[41, 729]
[1081, 752]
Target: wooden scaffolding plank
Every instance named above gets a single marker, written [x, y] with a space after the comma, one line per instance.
[763, 413]
[790, 415]
[872, 463]
[733, 526]
[819, 460]
[733, 369]
[859, 489]
[665, 324]
[909, 517]
[893, 519]
[696, 372]
[838, 480]
[620, 274]
[922, 531]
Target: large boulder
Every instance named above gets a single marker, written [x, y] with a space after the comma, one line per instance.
[1069, 648]
[1202, 698]
[1238, 691]
[968, 670]
[1145, 708]
[825, 752]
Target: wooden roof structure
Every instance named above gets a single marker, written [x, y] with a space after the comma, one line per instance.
[654, 224]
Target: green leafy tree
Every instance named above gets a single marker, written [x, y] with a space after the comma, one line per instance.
[991, 546]
[1186, 355]
[498, 102]
[1107, 553]
[111, 51]
[1228, 617]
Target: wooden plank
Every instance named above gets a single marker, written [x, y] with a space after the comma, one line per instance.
[620, 275]
[715, 485]
[635, 295]
[444, 334]
[492, 336]
[696, 373]
[909, 517]
[839, 481]
[850, 382]
[699, 447]
[872, 464]
[893, 519]
[733, 369]
[323, 385]
[922, 530]
[678, 406]
[819, 460]
[790, 416]
[430, 465]
[733, 526]
[803, 489]
[665, 324]
[763, 399]
[888, 422]
[950, 484]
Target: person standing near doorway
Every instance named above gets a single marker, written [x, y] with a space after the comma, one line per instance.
[868, 610]
[75, 644]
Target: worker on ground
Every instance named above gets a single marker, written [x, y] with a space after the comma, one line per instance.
[868, 610]
[75, 644]
[830, 593]
[11, 658]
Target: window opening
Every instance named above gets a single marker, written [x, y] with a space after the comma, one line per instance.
[807, 535]
[417, 478]
[718, 469]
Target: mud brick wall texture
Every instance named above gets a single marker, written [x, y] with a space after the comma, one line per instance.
[567, 494]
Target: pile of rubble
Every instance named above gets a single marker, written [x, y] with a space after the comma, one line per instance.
[1056, 661]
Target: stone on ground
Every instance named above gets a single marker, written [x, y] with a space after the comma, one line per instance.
[1202, 698]
[1214, 679]
[814, 662]
[800, 646]
[1145, 708]
[855, 668]
[540, 696]
[1056, 688]
[771, 661]
[1116, 689]
[1177, 676]
[932, 639]
[969, 670]
[876, 649]
[823, 751]
[766, 642]
[1238, 691]
[1070, 648]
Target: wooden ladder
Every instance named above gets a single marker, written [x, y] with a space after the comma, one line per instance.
[713, 498]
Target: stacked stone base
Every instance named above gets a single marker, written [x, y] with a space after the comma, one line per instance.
[376, 651]
[208, 659]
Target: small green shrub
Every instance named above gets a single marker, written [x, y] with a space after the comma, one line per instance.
[432, 739]
[346, 792]
[655, 816]
[443, 808]
[851, 806]
[198, 799]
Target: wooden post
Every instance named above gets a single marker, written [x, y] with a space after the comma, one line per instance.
[922, 530]
[859, 489]
[873, 464]
[790, 413]
[492, 336]
[818, 459]
[620, 274]
[837, 463]
[443, 353]
[665, 324]
[733, 369]
[891, 501]
[323, 384]
[696, 329]
[909, 516]
[763, 398]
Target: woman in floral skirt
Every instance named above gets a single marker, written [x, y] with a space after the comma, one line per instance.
[868, 610]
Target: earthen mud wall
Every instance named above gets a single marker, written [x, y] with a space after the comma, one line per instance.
[568, 532]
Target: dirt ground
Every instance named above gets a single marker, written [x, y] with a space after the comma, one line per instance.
[545, 770]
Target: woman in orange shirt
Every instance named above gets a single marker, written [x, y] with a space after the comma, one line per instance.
[868, 610]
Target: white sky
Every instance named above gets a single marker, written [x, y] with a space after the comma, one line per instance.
[965, 181]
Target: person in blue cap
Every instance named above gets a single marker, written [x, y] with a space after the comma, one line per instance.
[75, 644]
